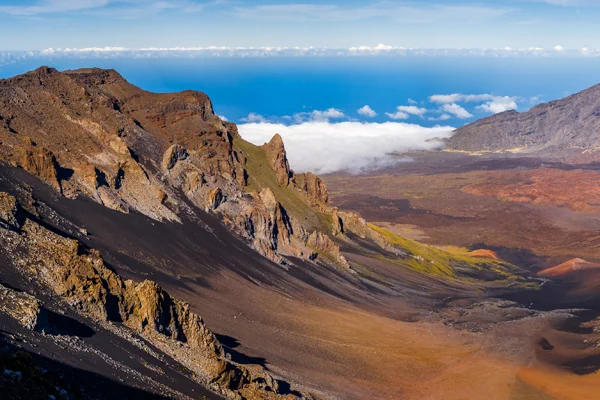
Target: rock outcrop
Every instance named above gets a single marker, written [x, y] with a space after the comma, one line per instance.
[312, 186]
[11, 216]
[173, 154]
[81, 279]
[91, 133]
[323, 243]
[277, 157]
[40, 162]
[22, 307]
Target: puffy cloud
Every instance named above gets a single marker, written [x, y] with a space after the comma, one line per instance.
[404, 112]
[367, 111]
[254, 117]
[445, 98]
[323, 147]
[456, 110]
[499, 104]
[559, 48]
[327, 114]
[398, 115]
[298, 118]
[317, 115]
[492, 104]
[412, 110]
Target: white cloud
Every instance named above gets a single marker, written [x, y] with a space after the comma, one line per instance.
[332, 113]
[50, 54]
[445, 98]
[298, 118]
[412, 102]
[404, 112]
[398, 115]
[492, 103]
[559, 48]
[373, 49]
[367, 111]
[443, 117]
[499, 104]
[412, 110]
[457, 111]
[323, 147]
[316, 115]
[254, 117]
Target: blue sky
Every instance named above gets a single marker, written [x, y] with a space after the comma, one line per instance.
[39, 24]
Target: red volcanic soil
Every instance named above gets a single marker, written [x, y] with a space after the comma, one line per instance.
[578, 190]
[568, 267]
[483, 253]
[532, 212]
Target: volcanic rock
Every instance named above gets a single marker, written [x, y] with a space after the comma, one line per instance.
[24, 308]
[277, 156]
[10, 213]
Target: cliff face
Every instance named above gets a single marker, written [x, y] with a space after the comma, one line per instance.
[91, 133]
[572, 122]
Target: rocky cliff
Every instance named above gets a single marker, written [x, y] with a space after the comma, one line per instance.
[91, 133]
[572, 122]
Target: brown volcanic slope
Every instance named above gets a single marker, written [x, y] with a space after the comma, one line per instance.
[118, 205]
[572, 122]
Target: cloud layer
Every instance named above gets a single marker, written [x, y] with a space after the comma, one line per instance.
[381, 50]
[323, 147]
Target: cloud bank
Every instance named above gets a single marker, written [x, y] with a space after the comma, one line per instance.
[381, 50]
[323, 147]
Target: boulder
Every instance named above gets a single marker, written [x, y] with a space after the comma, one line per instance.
[173, 154]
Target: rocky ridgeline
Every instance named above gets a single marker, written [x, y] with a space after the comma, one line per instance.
[569, 123]
[91, 133]
[81, 279]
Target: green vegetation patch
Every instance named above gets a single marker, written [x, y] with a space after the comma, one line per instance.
[452, 262]
[261, 175]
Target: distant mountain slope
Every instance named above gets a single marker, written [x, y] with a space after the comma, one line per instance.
[572, 122]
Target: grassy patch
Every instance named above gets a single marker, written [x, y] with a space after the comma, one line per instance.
[261, 175]
[450, 261]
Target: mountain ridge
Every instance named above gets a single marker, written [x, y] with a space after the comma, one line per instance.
[571, 122]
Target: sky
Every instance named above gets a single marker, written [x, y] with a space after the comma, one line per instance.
[42, 24]
[373, 79]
